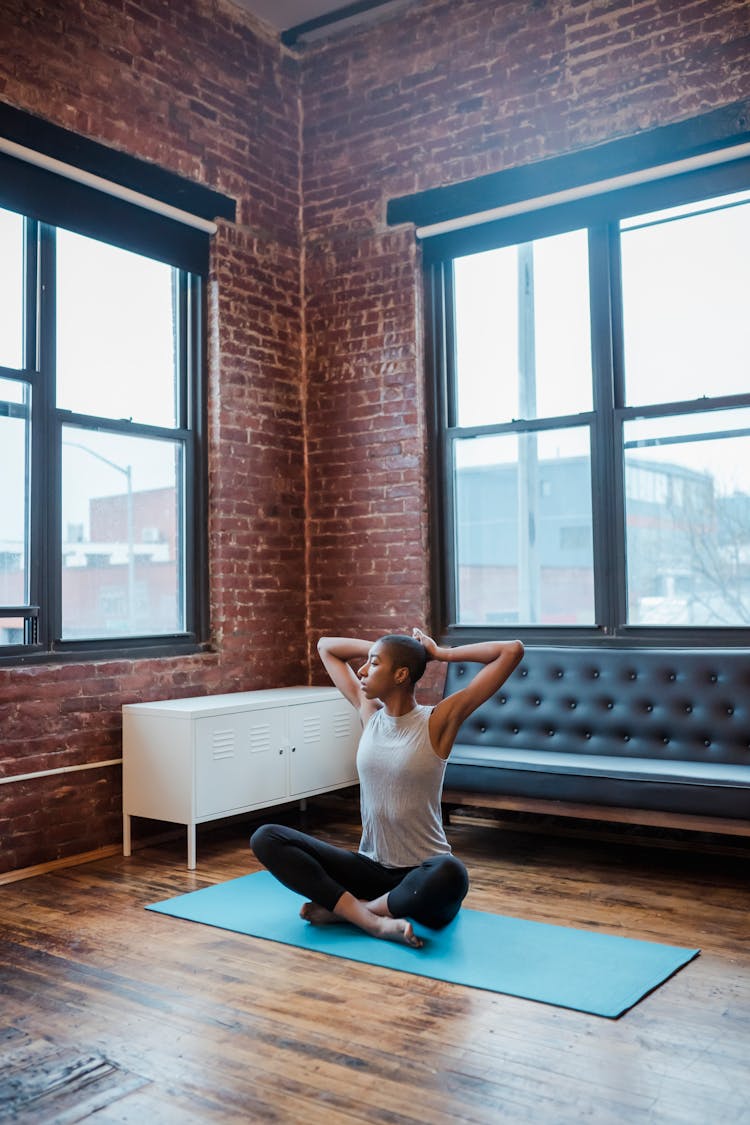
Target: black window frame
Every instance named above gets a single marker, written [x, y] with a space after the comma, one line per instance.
[600, 215]
[56, 178]
[43, 614]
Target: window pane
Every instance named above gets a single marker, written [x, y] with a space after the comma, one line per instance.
[687, 486]
[11, 289]
[524, 551]
[122, 553]
[686, 294]
[11, 631]
[523, 338]
[116, 333]
[14, 505]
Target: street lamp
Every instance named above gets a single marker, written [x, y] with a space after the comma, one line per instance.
[126, 470]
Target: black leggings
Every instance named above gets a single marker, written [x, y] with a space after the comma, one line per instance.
[431, 893]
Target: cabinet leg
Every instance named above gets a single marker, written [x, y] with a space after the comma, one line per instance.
[303, 819]
[191, 847]
[126, 844]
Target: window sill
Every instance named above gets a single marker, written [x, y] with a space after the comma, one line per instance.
[85, 652]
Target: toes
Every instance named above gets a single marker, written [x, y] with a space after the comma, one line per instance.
[410, 937]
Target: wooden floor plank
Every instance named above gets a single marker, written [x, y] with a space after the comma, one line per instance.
[219, 1027]
[41, 1082]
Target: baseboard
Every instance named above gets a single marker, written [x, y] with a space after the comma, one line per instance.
[82, 857]
[146, 842]
[56, 864]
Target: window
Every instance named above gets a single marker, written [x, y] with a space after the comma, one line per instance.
[99, 427]
[592, 415]
[102, 464]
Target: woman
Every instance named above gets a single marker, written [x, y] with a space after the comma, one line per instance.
[404, 869]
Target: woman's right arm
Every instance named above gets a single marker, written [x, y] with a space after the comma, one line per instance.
[336, 652]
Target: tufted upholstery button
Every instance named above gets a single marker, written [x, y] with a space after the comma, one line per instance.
[524, 671]
[537, 702]
[714, 678]
[551, 731]
[587, 734]
[610, 704]
[514, 729]
[559, 673]
[706, 741]
[632, 675]
[671, 676]
[665, 740]
[572, 705]
[595, 674]
[483, 728]
[460, 671]
[730, 710]
[688, 709]
[649, 707]
[626, 738]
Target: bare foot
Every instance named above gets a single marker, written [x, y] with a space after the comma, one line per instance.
[351, 909]
[399, 930]
[318, 915]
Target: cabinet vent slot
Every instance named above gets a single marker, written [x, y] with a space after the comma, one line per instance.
[222, 744]
[260, 738]
[342, 725]
[311, 729]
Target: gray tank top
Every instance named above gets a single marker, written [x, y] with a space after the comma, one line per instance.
[401, 781]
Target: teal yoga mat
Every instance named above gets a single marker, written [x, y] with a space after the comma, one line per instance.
[602, 974]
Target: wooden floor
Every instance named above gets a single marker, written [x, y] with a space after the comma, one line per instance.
[117, 1014]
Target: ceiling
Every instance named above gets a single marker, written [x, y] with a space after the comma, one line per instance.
[289, 17]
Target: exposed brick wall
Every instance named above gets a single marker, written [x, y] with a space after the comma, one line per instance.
[452, 89]
[438, 93]
[367, 503]
[442, 92]
[201, 90]
[191, 86]
[256, 459]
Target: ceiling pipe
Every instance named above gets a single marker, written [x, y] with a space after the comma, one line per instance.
[293, 34]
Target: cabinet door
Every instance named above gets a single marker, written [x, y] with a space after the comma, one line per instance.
[324, 737]
[240, 760]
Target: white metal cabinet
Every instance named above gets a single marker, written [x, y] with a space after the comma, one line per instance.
[193, 760]
[323, 742]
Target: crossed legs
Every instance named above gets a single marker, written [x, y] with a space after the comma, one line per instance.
[346, 886]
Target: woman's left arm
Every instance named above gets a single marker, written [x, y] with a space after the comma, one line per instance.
[499, 658]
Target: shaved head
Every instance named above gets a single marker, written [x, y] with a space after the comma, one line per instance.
[406, 652]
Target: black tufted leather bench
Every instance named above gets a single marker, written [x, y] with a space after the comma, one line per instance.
[651, 735]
